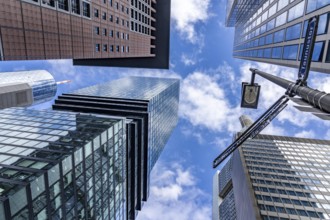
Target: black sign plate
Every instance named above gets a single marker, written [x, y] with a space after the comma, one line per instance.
[308, 48]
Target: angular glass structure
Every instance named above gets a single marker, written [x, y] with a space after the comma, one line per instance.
[273, 31]
[151, 104]
[61, 165]
[277, 177]
[25, 88]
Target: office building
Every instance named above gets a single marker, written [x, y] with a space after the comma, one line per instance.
[61, 165]
[151, 104]
[273, 31]
[275, 177]
[127, 33]
[25, 88]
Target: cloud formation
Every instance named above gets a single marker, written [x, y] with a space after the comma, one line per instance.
[186, 14]
[174, 195]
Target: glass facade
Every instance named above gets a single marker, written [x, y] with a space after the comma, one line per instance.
[42, 83]
[60, 165]
[289, 176]
[162, 95]
[151, 104]
[286, 20]
[277, 177]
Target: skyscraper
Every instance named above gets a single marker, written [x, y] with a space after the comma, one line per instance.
[151, 104]
[25, 88]
[61, 165]
[273, 31]
[276, 177]
[130, 33]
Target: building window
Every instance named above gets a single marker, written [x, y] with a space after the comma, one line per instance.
[110, 2]
[277, 52]
[127, 49]
[111, 48]
[117, 20]
[318, 51]
[123, 49]
[96, 13]
[63, 4]
[105, 48]
[269, 39]
[75, 6]
[296, 11]
[267, 52]
[261, 41]
[313, 5]
[117, 48]
[48, 2]
[104, 32]
[117, 5]
[111, 18]
[86, 9]
[290, 52]
[97, 47]
[271, 24]
[111, 33]
[279, 36]
[281, 19]
[97, 30]
[117, 34]
[104, 16]
[293, 32]
[282, 4]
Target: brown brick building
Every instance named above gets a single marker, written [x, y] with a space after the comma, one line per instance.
[92, 32]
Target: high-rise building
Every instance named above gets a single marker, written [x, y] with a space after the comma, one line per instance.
[25, 88]
[61, 165]
[275, 177]
[273, 31]
[151, 104]
[128, 33]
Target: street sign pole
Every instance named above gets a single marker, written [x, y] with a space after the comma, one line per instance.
[319, 99]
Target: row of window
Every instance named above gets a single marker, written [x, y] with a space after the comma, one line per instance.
[111, 48]
[141, 6]
[74, 6]
[140, 17]
[291, 33]
[289, 52]
[290, 211]
[287, 16]
[140, 28]
[121, 35]
[111, 18]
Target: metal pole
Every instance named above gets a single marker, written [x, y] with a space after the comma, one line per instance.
[314, 97]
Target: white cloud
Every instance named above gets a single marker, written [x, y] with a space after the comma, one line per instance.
[188, 60]
[175, 195]
[187, 13]
[204, 103]
[305, 134]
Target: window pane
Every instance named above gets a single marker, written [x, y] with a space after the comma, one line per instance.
[293, 32]
[290, 52]
[318, 51]
[262, 41]
[278, 36]
[327, 59]
[267, 52]
[276, 52]
[281, 19]
[312, 5]
[323, 24]
[296, 11]
[269, 39]
[271, 25]
[282, 4]
[272, 10]
[260, 52]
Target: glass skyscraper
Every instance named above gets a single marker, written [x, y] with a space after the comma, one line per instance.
[276, 177]
[25, 88]
[152, 105]
[61, 165]
[273, 31]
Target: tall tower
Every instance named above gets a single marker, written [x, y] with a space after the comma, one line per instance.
[126, 33]
[273, 31]
[152, 105]
[277, 177]
[25, 88]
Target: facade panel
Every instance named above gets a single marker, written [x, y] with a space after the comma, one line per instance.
[271, 19]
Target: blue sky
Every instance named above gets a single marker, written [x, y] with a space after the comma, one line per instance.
[201, 55]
